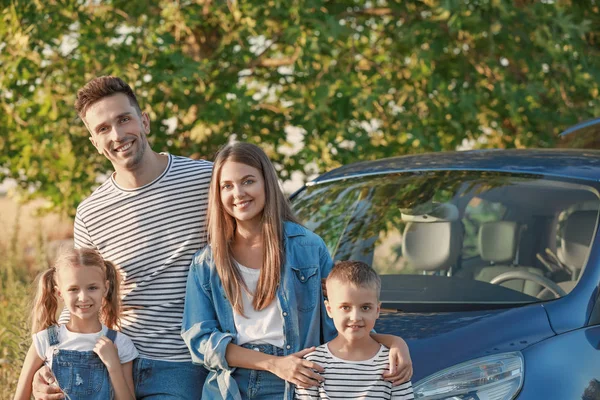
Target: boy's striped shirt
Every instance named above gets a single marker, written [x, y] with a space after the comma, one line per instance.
[354, 379]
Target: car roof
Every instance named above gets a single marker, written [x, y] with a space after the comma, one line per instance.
[565, 163]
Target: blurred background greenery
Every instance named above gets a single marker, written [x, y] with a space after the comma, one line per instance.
[316, 83]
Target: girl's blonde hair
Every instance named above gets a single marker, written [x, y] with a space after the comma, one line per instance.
[221, 228]
[46, 300]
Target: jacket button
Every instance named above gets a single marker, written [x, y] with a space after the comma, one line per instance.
[284, 314]
[288, 347]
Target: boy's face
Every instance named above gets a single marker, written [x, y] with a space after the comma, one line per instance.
[354, 309]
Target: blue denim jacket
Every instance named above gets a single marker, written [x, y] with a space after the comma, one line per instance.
[208, 325]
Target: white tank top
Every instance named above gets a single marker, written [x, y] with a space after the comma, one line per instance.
[260, 327]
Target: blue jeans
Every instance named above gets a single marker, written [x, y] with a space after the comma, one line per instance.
[157, 380]
[261, 385]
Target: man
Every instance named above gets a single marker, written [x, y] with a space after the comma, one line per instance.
[149, 218]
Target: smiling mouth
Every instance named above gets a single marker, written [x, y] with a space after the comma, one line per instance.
[242, 204]
[85, 307]
[124, 147]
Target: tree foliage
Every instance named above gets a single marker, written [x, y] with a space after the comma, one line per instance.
[317, 83]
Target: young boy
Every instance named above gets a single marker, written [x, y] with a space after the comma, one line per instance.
[354, 362]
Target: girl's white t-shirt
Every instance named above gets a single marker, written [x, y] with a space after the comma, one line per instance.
[81, 342]
[260, 327]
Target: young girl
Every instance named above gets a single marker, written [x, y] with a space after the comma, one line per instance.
[254, 302]
[88, 359]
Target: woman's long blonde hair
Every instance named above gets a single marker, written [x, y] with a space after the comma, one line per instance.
[46, 302]
[221, 228]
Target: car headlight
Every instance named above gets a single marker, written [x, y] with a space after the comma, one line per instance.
[497, 377]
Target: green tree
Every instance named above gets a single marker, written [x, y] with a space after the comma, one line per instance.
[357, 79]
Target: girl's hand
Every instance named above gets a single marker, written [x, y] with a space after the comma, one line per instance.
[296, 370]
[401, 369]
[107, 351]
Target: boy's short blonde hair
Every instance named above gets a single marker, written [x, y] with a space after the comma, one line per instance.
[356, 273]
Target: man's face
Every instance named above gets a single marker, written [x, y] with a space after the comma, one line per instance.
[118, 131]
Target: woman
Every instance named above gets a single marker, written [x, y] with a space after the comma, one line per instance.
[254, 302]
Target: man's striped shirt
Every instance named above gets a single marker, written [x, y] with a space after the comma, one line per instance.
[353, 379]
[151, 233]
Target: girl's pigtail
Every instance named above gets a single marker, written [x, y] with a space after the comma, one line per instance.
[45, 304]
[111, 310]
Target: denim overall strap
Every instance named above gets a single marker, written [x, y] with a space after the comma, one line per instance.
[53, 335]
[111, 334]
[81, 374]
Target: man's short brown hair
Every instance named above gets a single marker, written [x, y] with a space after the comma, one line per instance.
[101, 87]
[356, 273]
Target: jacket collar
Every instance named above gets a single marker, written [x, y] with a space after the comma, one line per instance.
[292, 229]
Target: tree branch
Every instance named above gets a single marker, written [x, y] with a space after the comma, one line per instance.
[370, 12]
[278, 62]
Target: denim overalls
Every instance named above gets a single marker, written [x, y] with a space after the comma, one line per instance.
[80, 374]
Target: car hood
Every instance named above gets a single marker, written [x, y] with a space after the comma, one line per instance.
[441, 340]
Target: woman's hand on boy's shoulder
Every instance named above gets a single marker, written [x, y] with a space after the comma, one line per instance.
[401, 368]
[298, 370]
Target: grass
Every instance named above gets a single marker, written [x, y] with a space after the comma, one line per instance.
[27, 247]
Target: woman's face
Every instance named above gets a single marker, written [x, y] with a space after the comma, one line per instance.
[242, 190]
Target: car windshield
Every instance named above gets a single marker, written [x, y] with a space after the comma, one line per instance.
[459, 239]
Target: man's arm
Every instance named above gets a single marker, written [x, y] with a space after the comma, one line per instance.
[81, 236]
[44, 387]
[400, 369]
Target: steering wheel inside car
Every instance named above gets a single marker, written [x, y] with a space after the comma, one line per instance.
[556, 290]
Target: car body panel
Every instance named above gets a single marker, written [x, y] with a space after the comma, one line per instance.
[440, 340]
[563, 367]
[577, 164]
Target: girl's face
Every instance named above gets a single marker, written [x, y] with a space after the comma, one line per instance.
[242, 190]
[82, 290]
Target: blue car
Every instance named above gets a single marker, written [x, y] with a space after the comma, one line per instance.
[489, 260]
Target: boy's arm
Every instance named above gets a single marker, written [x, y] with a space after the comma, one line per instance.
[30, 366]
[400, 369]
